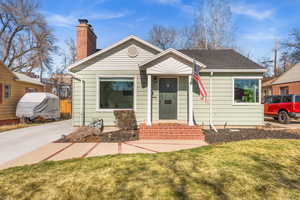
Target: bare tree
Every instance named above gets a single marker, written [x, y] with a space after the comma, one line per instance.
[26, 41]
[67, 54]
[212, 27]
[291, 47]
[163, 37]
[193, 37]
[267, 63]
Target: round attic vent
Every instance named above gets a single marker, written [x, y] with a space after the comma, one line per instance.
[132, 51]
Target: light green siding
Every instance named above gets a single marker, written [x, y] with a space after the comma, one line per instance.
[223, 111]
[90, 97]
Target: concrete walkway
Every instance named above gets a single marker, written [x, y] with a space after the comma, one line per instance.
[20, 141]
[62, 151]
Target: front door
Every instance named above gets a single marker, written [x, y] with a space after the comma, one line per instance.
[168, 98]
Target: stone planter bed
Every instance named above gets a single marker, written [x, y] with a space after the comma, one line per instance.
[230, 135]
[87, 135]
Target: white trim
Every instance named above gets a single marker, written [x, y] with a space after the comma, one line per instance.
[259, 78]
[210, 98]
[149, 100]
[174, 51]
[82, 103]
[233, 70]
[190, 101]
[33, 83]
[177, 95]
[131, 37]
[98, 109]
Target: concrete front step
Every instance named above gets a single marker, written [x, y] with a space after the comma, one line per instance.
[170, 131]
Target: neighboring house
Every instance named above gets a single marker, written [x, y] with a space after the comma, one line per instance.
[157, 84]
[60, 85]
[288, 82]
[267, 87]
[13, 86]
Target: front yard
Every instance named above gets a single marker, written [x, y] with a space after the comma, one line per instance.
[253, 169]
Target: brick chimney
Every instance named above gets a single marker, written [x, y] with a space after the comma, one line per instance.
[86, 39]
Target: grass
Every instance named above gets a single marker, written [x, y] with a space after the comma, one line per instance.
[254, 169]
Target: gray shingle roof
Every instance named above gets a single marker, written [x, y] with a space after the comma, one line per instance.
[221, 59]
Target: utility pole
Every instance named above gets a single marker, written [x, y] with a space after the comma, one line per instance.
[275, 58]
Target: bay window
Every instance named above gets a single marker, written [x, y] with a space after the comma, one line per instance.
[116, 93]
[246, 90]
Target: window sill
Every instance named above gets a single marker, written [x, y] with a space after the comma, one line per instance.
[111, 110]
[246, 104]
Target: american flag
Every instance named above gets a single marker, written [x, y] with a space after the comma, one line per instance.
[199, 83]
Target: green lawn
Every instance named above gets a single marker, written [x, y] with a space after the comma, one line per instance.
[257, 169]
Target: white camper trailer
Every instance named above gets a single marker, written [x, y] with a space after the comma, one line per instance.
[38, 104]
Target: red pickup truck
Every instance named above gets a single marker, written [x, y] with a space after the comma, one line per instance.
[282, 107]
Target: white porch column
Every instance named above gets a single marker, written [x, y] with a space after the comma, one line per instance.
[191, 122]
[149, 100]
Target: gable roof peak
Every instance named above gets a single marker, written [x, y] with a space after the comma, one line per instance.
[120, 42]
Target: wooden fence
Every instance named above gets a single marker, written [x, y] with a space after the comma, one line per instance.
[65, 107]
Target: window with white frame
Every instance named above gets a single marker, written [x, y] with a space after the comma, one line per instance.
[246, 90]
[116, 93]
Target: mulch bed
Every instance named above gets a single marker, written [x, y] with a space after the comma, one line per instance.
[227, 135]
[86, 134]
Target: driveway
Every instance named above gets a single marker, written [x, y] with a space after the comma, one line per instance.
[20, 141]
[294, 124]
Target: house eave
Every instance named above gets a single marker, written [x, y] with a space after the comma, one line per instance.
[40, 84]
[131, 37]
[234, 70]
[171, 51]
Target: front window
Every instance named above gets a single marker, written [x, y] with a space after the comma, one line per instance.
[7, 91]
[116, 93]
[246, 90]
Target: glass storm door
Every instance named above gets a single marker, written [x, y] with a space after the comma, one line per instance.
[168, 98]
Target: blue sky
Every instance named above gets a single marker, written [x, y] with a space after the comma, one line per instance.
[259, 23]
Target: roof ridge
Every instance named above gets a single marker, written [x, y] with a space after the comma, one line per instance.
[206, 49]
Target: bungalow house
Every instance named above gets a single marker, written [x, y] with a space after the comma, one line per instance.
[158, 85]
[286, 83]
[13, 86]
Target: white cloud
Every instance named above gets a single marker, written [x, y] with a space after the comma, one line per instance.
[167, 1]
[71, 19]
[188, 9]
[251, 11]
[261, 36]
[60, 20]
[108, 15]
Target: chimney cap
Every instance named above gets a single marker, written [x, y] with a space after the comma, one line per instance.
[83, 21]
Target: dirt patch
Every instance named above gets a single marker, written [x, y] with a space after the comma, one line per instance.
[86, 134]
[230, 135]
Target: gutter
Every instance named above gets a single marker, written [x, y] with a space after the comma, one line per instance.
[82, 106]
[234, 70]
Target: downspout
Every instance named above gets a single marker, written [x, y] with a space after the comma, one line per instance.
[82, 107]
[210, 103]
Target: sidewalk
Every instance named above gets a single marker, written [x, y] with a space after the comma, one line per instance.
[62, 151]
